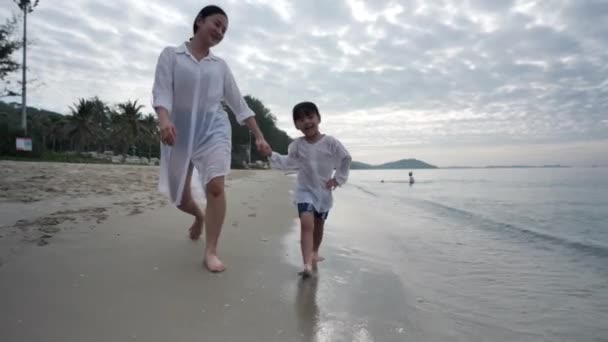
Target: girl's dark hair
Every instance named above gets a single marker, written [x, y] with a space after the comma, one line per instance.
[206, 12]
[303, 109]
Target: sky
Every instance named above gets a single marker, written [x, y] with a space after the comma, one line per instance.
[463, 82]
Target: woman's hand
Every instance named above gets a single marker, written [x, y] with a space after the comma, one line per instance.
[332, 184]
[263, 147]
[168, 133]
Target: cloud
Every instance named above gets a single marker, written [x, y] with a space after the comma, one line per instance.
[439, 74]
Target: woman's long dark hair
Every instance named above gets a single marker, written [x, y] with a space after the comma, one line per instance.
[206, 12]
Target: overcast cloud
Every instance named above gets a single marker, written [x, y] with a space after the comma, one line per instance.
[450, 82]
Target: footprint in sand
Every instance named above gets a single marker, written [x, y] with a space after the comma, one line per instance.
[101, 218]
[253, 215]
[43, 241]
[235, 223]
[136, 211]
[49, 230]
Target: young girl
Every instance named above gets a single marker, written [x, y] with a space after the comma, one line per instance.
[315, 156]
[189, 85]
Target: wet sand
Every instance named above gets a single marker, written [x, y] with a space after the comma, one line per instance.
[109, 274]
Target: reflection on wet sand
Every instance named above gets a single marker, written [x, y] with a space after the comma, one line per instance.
[307, 308]
[312, 327]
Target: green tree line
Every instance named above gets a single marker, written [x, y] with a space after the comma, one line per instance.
[93, 125]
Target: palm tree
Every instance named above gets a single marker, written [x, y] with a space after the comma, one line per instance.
[151, 132]
[101, 114]
[83, 127]
[40, 130]
[127, 126]
[58, 132]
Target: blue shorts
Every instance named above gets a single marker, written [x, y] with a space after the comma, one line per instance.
[309, 208]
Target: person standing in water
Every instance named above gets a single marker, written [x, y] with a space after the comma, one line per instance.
[190, 84]
[411, 178]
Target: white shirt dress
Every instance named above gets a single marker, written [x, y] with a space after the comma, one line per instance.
[192, 92]
[315, 164]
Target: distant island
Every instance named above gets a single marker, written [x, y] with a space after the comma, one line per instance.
[507, 167]
[418, 164]
[399, 164]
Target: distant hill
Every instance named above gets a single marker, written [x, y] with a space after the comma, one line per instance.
[10, 114]
[360, 166]
[399, 164]
[508, 167]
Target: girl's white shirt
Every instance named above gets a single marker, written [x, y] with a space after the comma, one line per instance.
[315, 164]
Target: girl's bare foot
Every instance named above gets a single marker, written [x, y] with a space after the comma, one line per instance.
[213, 263]
[197, 228]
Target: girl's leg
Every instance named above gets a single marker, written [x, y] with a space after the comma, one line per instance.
[307, 226]
[317, 238]
[188, 205]
[216, 212]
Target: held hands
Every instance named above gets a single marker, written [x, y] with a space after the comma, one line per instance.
[168, 133]
[332, 184]
[263, 147]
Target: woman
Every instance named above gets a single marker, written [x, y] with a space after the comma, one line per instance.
[189, 85]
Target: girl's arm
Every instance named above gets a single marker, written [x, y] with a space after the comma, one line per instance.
[343, 161]
[288, 162]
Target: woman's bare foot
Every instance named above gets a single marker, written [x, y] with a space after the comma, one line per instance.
[317, 258]
[213, 263]
[197, 228]
[306, 272]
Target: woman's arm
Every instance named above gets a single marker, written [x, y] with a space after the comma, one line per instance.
[162, 96]
[242, 112]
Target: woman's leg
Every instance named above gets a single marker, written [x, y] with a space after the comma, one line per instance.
[216, 212]
[188, 205]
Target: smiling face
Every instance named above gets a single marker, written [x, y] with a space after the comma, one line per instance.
[211, 29]
[308, 123]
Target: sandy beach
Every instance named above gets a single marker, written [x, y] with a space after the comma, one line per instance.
[39, 200]
[93, 253]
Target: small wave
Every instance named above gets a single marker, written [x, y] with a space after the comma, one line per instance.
[365, 190]
[585, 247]
[486, 223]
[405, 182]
